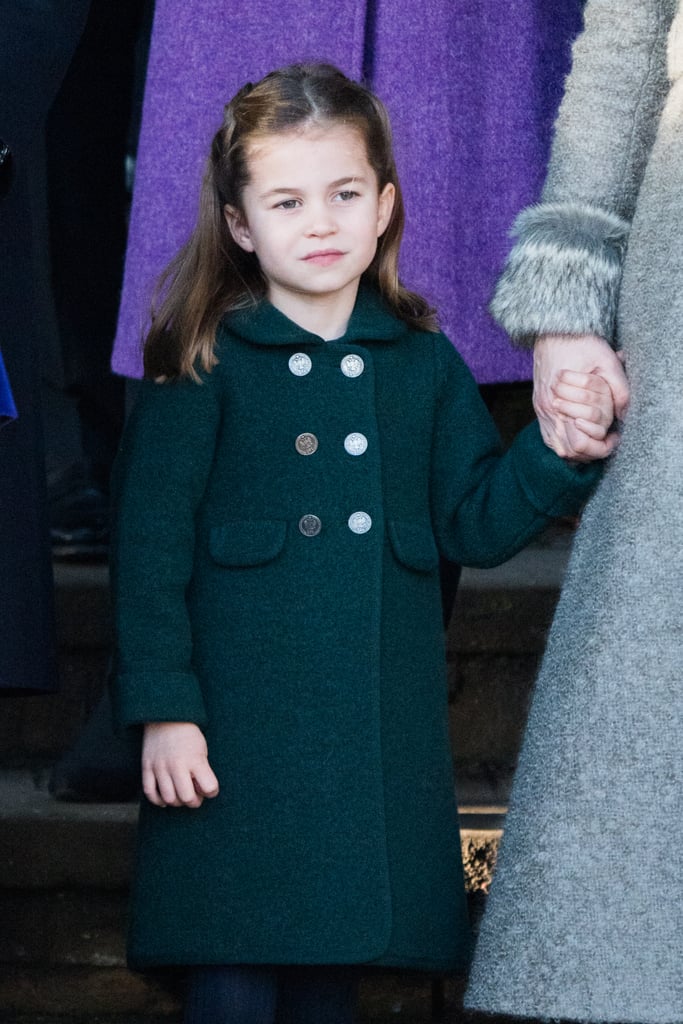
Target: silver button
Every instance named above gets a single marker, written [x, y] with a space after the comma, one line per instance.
[356, 444]
[352, 365]
[310, 526]
[306, 444]
[300, 364]
[359, 522]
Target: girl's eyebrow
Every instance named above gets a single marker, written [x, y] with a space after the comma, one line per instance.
[278, 192]
[294, 190]
[349, 181]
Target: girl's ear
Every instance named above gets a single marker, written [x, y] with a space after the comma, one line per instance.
[239, 229]
[385, 207]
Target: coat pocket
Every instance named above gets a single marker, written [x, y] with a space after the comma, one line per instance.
[247, 543]
[414, 545]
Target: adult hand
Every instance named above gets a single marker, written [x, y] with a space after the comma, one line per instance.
[587, 354]
[175, 765]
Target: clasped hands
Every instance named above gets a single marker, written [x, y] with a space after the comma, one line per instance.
[580, 394]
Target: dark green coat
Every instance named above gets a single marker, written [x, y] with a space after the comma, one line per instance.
[315, 664]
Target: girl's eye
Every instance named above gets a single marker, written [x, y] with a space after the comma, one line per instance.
[346, 195]
[287, 204]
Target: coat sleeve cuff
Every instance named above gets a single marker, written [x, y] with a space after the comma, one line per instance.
[555, 486]
[563, 274]
[158, 696]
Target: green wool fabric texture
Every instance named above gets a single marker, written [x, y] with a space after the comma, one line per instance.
[289, 604]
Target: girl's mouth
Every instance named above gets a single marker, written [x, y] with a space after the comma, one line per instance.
[323, 257]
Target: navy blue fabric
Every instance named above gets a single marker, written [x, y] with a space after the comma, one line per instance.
[277, 995]
[8, 410]
[36, 43]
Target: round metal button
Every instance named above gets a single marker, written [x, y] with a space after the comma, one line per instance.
[300, 364]
[310, 526]
[352, 365]
[356, 444]
[359, 522]
[306, 444]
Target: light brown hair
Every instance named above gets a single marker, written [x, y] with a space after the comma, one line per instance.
[211, 274]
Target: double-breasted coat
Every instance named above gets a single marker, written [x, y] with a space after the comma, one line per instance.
[585, 919]
[276, 581]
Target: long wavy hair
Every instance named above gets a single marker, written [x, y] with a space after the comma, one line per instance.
[211, 274]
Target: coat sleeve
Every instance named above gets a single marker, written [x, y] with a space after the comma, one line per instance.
[159, 478]
[486, 504]
[564, 271]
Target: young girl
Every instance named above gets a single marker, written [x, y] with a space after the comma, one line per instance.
[306, 445]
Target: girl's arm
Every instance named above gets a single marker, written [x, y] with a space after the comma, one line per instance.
[159, 480]
[486, 504]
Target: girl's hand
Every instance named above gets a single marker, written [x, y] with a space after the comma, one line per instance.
[584, 354]
[175, 765]
[586, 399]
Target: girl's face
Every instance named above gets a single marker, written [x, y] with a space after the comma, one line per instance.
[312, 213]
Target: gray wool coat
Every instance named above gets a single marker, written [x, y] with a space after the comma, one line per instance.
[585, 918]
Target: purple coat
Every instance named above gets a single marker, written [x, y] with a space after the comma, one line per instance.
[471, 90]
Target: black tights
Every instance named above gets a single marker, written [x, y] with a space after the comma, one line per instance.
[271, 995]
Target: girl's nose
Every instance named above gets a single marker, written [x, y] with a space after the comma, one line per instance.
[321, 222]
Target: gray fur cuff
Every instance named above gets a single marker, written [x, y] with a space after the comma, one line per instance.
[563, 275]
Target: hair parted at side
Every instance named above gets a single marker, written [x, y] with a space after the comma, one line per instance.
[211, 274]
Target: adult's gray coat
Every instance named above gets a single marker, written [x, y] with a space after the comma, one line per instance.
[585, 919]
[276, 581]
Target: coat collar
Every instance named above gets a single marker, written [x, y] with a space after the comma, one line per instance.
[262, 324]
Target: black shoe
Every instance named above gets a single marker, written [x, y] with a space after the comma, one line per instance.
[103, 766]
[79, 515]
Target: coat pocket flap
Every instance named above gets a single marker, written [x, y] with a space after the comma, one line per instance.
[414, 545]
[247, 543]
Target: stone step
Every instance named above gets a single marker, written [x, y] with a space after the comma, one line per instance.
[115, 996]
[495, 639]
[50, 846]
[83, 604]
[65, 871]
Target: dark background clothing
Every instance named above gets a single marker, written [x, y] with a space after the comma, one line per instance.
[8, 410]
[90, 141]
[36, 43]
[87, 141]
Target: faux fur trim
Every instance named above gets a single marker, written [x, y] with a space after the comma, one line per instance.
[563, 274]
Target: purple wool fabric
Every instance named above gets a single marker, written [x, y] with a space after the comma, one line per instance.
[472, 92]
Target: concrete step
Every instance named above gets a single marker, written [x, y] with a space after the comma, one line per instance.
[65, 870]
[52, 847]
[77, 996]
[44, 726]
[495, 639]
